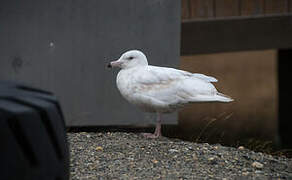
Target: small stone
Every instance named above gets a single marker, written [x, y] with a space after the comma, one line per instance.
[212, 160]
[195, 157]
[99, 148]
[240, 148]
[155, 161]
[172, 150]
[245, 173]
[257, 165]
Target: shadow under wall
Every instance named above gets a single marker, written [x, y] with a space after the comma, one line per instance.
[250, 78]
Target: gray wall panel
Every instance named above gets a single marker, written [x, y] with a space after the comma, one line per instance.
[64, 46]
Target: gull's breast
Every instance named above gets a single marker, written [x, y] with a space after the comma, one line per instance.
[138, 94]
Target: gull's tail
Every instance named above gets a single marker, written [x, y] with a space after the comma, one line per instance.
[218, 97]
[223, 98]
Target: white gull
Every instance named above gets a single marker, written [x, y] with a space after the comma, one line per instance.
[161, 89]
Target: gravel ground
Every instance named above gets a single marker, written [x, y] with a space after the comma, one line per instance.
[131, 156]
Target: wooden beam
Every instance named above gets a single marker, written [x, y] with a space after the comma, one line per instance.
[185, 14]
[251, 7]
[276, 6]
[236, 34]
[201, 9]
[226, 8]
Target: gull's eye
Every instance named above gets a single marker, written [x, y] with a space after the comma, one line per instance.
[131, 57]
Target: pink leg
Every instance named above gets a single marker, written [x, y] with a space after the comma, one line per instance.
[157, 132]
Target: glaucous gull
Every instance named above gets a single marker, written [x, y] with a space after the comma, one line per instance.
[161, 89]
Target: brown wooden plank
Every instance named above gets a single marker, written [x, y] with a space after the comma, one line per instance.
[289, 5]
[201, 8]
[185, 14]
[235, 34]
[251, 7]
[275, 6]
[224, 8]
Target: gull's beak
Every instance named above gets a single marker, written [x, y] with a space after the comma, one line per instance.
[114, 64]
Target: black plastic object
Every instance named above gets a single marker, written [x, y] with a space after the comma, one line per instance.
[32, 135]
[285, 123]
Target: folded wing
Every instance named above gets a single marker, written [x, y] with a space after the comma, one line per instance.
[175, 87]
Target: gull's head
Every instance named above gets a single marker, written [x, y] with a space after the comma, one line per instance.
[132, 58]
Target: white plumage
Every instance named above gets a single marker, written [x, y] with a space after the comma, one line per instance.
[161, 89]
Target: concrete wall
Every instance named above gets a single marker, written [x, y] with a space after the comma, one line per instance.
[64, 47]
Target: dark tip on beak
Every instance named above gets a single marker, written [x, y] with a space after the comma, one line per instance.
[109, 65]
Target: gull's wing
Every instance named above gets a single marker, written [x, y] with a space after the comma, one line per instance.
[205, 78]
[173, 86]
[157, 75]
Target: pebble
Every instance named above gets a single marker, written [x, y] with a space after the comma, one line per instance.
[211, 159]
[257, 165]
[240, 148]
[195, 157]
[99, 148]
[245, 173]
[155, 161]
[172, 150]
